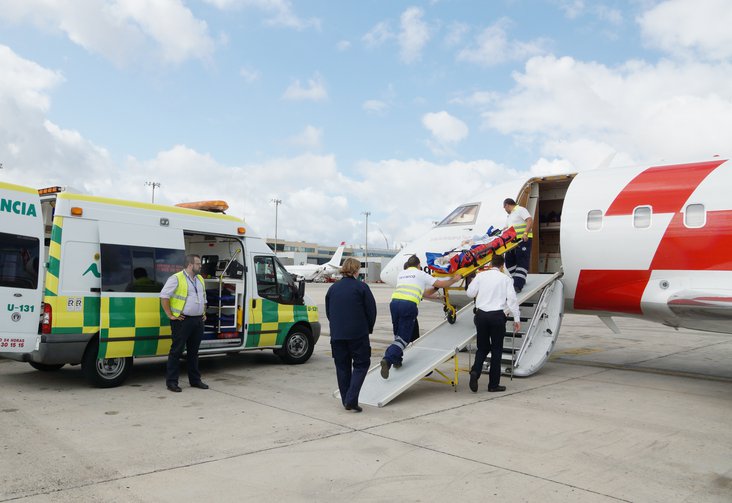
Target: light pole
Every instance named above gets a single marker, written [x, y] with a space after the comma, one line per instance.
[277, 203]
[366, 260]
[153, 185]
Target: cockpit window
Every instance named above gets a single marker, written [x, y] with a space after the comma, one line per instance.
[465, 214]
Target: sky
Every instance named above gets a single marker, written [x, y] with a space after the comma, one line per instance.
[402, 110]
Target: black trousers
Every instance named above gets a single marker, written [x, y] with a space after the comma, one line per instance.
[187, 334]
[491, 328]
[352, 358]
[517, 263]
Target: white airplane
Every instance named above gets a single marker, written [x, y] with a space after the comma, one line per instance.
[313, 272]
[653, 242]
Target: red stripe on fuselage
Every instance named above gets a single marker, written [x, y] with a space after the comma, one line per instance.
[664, 188]
[707, 248]
[613, 291]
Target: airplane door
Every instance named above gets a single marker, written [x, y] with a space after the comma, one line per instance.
[21, 282]
[131, 320]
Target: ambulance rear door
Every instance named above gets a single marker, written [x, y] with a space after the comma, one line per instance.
[21, 281]
[136, 261]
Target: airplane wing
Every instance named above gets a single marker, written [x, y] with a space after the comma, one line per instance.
[710, 304]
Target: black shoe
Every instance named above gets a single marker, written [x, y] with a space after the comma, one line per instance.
[473, 384]
[385, 366]
[354, 407]
[398, 365]
[518, 289]
[200, 385]
[174, 388]
[497, 388]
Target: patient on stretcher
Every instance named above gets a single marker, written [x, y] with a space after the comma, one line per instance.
[470, 252]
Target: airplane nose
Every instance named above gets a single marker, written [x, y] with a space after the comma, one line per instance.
[389, 273]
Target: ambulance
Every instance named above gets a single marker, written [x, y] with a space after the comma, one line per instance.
[80, 278]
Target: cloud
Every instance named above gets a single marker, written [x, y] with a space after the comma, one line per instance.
[378, 35]
[456, 33]
[477, 99]
[121, 31]
[667, 110]
[413, 35]
[492, 47]
[690, 28]
[343, 45]
[374, 106]
[281, 12]
[315, 90]
[444, 127]
[310, 138]
[249, 74]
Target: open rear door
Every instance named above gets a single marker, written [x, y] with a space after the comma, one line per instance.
[21, 281]
[132, 323]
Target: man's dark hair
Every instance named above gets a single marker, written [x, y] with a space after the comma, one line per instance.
[497, 261]
[139, 273]
[510, 201]
[190, 259]
[412, 261]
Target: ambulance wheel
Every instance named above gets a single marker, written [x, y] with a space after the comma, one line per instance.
[46, 367]
[104, 372]
[298, 346]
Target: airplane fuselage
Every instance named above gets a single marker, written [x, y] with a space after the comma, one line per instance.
[650, 242]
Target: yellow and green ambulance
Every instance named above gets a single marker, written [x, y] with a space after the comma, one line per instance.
[80, 277]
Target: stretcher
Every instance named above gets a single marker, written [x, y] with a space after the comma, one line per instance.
[467, 262]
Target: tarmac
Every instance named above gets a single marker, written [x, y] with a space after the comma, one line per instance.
[641, 416]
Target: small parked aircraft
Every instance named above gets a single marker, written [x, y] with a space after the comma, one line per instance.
[314, 272]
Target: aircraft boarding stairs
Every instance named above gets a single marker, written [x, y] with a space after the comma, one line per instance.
[542, 305]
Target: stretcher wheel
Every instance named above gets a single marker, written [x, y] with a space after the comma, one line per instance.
[451, 315]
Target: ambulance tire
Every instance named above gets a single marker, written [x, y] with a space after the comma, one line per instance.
[104, 372]
[298, 346]
[46, 367]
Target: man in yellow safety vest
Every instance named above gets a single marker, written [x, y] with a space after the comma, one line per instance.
[183, 298]
[412, 284]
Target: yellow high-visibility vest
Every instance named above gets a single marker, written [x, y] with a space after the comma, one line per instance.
[412, 292]
[178, 299]
[521, 228]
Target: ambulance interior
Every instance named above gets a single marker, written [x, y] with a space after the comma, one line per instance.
[544, 199]
[222, 267]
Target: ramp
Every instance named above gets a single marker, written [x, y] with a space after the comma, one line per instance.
[432, 349]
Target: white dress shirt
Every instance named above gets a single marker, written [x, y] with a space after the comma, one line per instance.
[493, 291]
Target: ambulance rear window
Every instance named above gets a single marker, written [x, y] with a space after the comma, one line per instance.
[18, 261]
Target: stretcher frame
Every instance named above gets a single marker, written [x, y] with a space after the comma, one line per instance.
[448, 307]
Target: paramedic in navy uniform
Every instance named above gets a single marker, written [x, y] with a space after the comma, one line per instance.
[517, 259]
[351, 311]
[183, 298]
[493, 292]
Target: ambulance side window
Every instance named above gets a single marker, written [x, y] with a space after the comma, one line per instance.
[18, 261]
[138, 268]
[264, 269]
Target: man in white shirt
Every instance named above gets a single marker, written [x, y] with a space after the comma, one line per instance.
[493, 292]
[517, 259]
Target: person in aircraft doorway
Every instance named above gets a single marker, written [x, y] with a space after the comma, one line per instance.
[412, 284]
[517, 259]
[493, 292]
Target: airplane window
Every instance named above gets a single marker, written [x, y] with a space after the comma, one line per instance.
[642, 217]
[465, 214]
[695, 216]
[594, 220]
